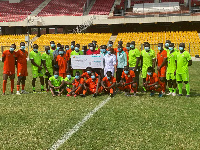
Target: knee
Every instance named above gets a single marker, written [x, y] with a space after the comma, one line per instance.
[134, 85]
[186, 82]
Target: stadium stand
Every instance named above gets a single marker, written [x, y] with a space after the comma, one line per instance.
[190, 38]
[65, 39]
[141, 1]
[13, 12]
[102, 7]
[63, 8]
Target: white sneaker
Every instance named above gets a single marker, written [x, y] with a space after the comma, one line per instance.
[24, 92]
[173, 94]
[18, 93]
[170, 93]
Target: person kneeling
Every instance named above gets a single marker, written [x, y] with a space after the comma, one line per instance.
[152, 82]
[56, 84]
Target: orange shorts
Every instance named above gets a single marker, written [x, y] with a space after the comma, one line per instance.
[92, 91]
[22, 72]
[162, 72]
[152, 88]
[128, 87]
[63, 75]
[9, 73]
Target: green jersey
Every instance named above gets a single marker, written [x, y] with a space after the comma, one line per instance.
[176, 50]
[182, 62]
[37, 59]
[56, 82]
[133, 55]
[51, 53]
[48, 60]
[171, 61]
[69, 80]
[148, 58]
[76, 53]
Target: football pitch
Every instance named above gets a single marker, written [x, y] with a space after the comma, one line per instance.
[37, 121]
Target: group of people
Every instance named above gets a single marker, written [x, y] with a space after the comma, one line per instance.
[55, 72]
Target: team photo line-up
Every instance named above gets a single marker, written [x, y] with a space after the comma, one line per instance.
[55, 70]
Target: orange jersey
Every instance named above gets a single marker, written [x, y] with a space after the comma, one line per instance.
[9, 62]
[78, 82]
[109, 82]
[87, 76]
[68, 53]
[92, 84]
[152, 79]
[62, 63]
[21, 59]
[161, 56]
[128, 77]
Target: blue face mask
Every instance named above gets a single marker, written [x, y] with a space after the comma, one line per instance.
[132, 46]
[58, 48]
[108, 78]
[72, 46]
[167, 44]
[103, 50]
[159, 48]
[89, 72]
[61, 52]
[93, 77]
[146, 48]
[83, 50]
[67, 49]
[35, 50]
[180, 48]
[171, 48]
[22, 47]
[12, 49]
[69, 76]
[56, 76]
[109, 52]
[120, 49]
[77, 77]
[48, 51]
[52, 45]
[110, 45]
[76, 49]
[128, 48]
[149, 73]
[126, 72]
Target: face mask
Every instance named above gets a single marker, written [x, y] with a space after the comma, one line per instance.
[120, 49]
[48, 51]
[108, 78]
[103, 50]
[22, 47]
[56, 76]
[167, 44]
[159, 48]
[180, 48]
[132, 46]
[146, 48]
[61, 52]
[52, 45]
[128, 48]
[77, 77]
[58, 48]
[94, 44]
[69, 76]
[109, 52]
[67, 49]
[72, 46]
[89, 72]
[91, 48]
[126, 72]
[110, 45]
[83, 50]
[35, 50]
[149, 73]
[12, 49]
[93, 77]
[171, 48]
[76, 49]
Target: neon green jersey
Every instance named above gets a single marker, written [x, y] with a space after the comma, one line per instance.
[56, 82]
[182, 62]
[133, 55]
[148, 57]
[37, 59]
[174, 49]
[171, 61]
[69, 80]
[48, 60]
[51, 53]
[76, 53]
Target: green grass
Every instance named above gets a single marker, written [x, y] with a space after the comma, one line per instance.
[36, 121]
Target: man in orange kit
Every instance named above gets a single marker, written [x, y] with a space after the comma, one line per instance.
[61, 61]
[22, 72]
[88, 73]
[78, 86]
[108, 83]
[8, 57]
[161, 66]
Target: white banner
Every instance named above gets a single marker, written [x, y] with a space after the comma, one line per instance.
[84, 61]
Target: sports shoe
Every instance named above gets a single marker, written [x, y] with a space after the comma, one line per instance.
[160, 94]
[75, 95]
[187, 95]
[152, 94]
[170, 93]
[173, 94]
[18, 93]
[163, 93]
[34, 91]
[24, 92]
[68, 95]
[111, 95]
[180, 94]
[95, 94]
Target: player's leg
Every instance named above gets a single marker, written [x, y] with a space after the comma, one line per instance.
[169, 82]
[159, 89]
[33, 84]
[12, 77]
[23, 84]
[52, 91]
[186, 81]
[5, 78]
[18, 84]
[180, 84]
[144, 75]
[134, 88]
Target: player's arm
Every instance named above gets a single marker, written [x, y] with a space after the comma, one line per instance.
[153, 62]
[163, 63]
[113, 85]
[33, 62]
[103, 84]
[61, 85]
[3, 57]
[98, 85]
[137, 62]
[51, 85]
[44, 64]
[150, 85]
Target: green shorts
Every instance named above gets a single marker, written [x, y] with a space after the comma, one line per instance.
[50, 71]
[170, 76]
[182, 77]
[37, 74]
[144, 72]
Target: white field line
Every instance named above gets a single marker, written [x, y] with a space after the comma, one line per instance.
[68, 134]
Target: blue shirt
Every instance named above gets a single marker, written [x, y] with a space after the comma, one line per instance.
[121, 59]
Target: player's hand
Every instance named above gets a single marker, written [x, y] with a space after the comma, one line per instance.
[56, 87]
[39, 68]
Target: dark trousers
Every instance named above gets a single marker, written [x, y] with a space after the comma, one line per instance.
[119, 74]
[137, 74]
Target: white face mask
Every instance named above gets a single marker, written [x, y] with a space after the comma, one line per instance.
[91, 48]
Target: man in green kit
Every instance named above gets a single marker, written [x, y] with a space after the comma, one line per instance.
[182, 74]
